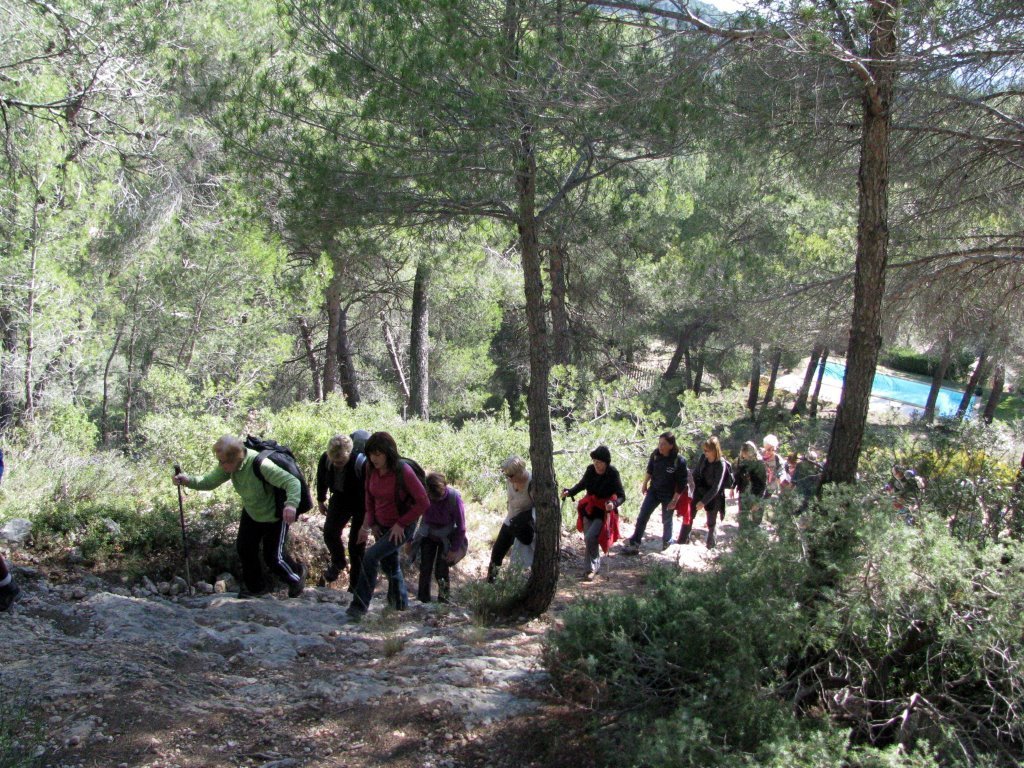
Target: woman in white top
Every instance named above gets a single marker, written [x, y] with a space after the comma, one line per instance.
[519, 523]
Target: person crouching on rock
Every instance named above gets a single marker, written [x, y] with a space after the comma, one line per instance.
[260, 524]
[598, 510]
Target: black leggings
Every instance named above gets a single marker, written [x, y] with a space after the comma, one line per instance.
[273, 537]
[432, 562]
[520, 527]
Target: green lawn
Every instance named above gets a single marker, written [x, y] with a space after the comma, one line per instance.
[1010, 407]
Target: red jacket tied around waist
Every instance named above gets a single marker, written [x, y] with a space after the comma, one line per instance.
[591, 507]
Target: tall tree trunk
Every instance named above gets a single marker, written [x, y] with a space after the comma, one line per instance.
[687, 369]
[8, 378]
[755, 378]
[817, 384]
[865, 338]
[306, 335]
[977, 376]
[332, 298]
[769, 393]
[346, 361]
[30, 312]
[998, 381]
[677, 355]
[188, 344]
[561, 346]
[698, 373]
[129, 384]
[396, 361]
[419, 344]
[104, 418]
[540, 588]
[1017, 503]
[938, 376]
[805, 388]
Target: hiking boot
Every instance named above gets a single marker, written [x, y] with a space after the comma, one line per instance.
[354, 614]
[711, 539]
[630, 548]
[397, 596]
[684, 534]
[245, 594]
[8, 595]
[294, 590]
[332, 573]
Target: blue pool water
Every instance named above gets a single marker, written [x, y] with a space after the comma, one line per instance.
[908, 391]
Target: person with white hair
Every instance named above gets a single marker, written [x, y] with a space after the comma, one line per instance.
[261, 522]
[519, 524]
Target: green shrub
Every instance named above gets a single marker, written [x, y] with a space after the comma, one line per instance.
[845, 620]
[166, 439]
[491, 602]
[922, 364]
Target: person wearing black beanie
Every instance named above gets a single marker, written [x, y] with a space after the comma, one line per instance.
[603, 485]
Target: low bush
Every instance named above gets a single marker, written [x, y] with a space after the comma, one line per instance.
[491, 602]
[923, 364]
[849, 638]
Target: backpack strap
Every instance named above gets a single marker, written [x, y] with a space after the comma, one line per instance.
[257, 463]
[400, 489]
[721, 480]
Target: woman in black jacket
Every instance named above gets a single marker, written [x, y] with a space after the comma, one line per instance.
[601, 481]
[708, 482]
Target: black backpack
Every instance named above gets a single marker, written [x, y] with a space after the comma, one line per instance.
[283, 457]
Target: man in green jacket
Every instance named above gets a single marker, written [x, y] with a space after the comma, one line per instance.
[261, 523]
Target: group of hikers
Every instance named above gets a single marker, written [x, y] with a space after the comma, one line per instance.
[361, 482]
[364, 484]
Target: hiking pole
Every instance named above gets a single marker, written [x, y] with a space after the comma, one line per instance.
[184, 538]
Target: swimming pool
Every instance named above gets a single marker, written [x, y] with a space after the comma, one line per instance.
[908, 391]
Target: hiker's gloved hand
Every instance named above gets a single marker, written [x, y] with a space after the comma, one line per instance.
[288, 514]
[180, 479]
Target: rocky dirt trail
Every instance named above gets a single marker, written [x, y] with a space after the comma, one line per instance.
[102, 675]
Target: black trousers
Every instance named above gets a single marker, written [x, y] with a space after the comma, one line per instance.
[432, 562]
[272, 537]
[338, 516]
[520, 527]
